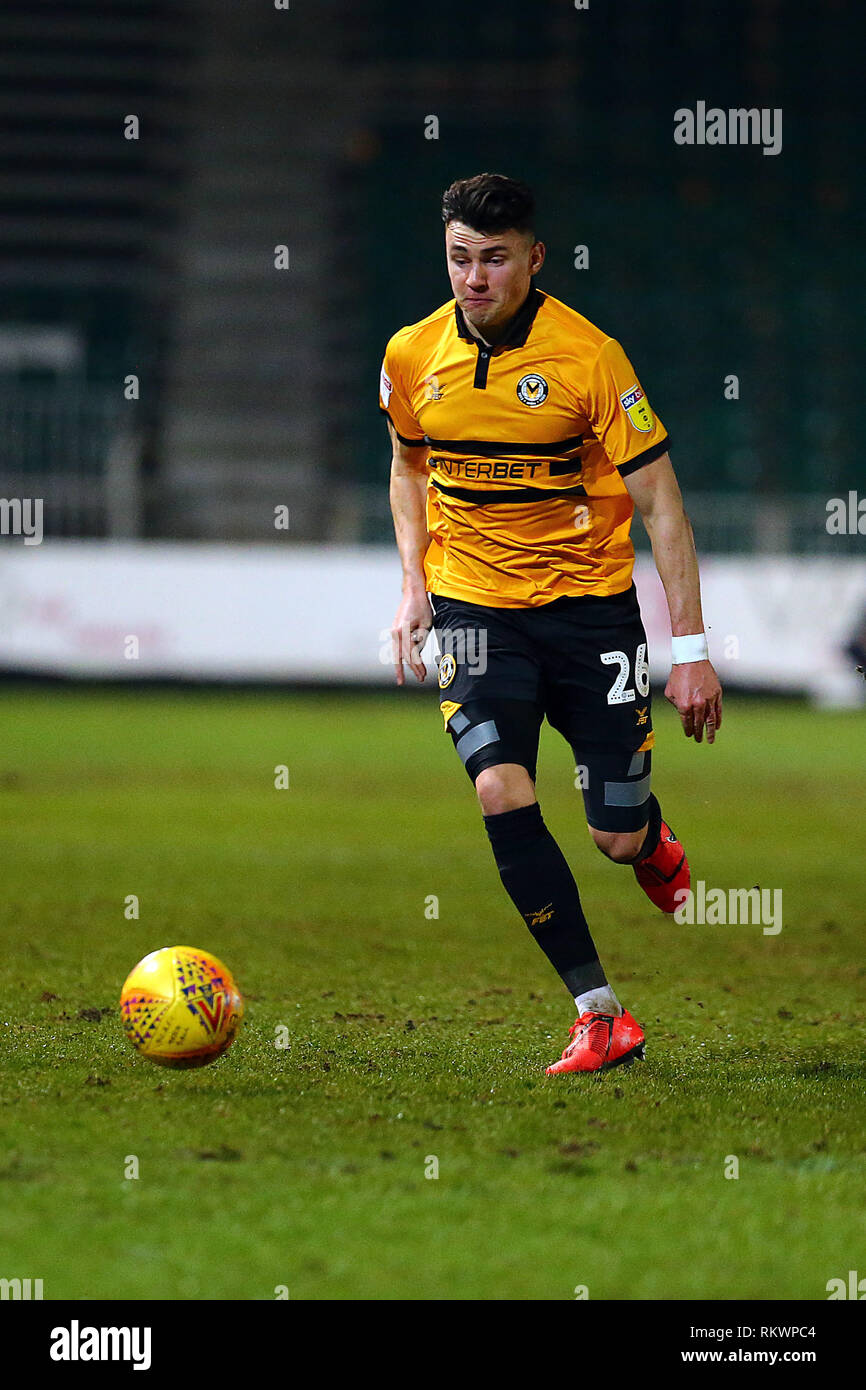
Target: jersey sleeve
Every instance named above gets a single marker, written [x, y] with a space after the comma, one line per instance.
[394, 399]
[620, 413]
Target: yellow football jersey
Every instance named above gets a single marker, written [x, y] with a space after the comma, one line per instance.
[529, 441]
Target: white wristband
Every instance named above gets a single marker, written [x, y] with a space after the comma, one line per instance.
[691, 648]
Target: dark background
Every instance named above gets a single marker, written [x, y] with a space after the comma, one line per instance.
[306, 128]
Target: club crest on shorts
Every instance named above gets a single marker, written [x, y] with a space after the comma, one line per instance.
[532, 389]
[447, 670]
[636, 407]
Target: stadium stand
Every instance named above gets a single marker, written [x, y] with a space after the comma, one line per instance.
[156, 256]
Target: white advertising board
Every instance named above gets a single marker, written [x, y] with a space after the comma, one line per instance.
[322, 613]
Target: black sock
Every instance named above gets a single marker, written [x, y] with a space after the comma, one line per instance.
[542, 887]
[653, 832]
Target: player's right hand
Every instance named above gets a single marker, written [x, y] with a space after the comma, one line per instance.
[410, 631]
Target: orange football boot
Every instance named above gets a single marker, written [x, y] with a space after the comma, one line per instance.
[599, 1042]
[665, 872]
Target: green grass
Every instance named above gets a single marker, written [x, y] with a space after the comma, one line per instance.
[414, 1038]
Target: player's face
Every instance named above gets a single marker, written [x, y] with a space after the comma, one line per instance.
[490, 275]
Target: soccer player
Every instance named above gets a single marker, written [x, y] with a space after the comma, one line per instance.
[521, 441]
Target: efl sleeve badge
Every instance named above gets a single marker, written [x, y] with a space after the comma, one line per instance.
[385, 387]
[637, 408]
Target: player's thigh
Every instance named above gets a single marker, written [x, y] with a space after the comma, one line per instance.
[488, 734]
[599, 698]
[616, 786]
[490, 686]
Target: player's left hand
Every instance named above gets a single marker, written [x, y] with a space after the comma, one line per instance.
[693, 689]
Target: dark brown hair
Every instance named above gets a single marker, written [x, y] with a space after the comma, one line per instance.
[490, 203]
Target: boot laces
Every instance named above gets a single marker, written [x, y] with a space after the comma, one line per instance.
[598, 1034]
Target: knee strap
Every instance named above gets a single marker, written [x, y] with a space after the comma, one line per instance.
[487, 733]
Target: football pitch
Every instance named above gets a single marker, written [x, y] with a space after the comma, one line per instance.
[383, 1128]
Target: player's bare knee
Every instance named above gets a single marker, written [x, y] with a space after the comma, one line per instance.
[504, 788]
[619, 845]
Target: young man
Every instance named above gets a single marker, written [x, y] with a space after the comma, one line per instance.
[521, 440]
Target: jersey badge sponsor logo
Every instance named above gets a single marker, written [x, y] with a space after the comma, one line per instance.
[641, 715]
[636, 407]
[447, 670]
[385, 387]
[532, 389]
[432, 390]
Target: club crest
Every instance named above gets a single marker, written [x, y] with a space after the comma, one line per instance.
[532, 389]
[447, 670]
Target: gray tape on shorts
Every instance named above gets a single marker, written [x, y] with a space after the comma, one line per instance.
[626, 793]
[636, 765]
[477, 737]
[458, 722]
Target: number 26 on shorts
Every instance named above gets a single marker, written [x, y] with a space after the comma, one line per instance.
[620, 693]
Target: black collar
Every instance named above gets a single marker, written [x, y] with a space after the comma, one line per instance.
[518, 329]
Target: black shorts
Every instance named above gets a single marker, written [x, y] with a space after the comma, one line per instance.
[581, 663]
